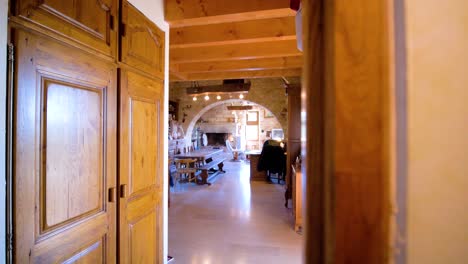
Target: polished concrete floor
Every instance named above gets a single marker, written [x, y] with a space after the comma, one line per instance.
[232, 221]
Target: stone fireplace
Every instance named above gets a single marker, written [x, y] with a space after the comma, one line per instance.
[217, 139]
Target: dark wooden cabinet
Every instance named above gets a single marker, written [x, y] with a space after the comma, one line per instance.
[142, 42]
[89, 22]
[65, 155]
[255, 175]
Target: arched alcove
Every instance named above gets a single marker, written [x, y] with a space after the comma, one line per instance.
[209, 107]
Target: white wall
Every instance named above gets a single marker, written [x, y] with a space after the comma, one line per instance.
[154, 10]
[437, 59]
[3, 43]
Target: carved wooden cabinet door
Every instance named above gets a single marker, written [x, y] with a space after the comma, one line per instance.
[89, 22]
[142, 43]
[141, 169]
[64, 155]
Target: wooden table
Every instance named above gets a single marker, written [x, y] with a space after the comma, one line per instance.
[200, 154]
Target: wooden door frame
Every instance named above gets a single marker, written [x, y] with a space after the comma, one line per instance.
[317, 103]
[3, 120]
[320, 92]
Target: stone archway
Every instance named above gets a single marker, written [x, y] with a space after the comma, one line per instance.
[193, 121]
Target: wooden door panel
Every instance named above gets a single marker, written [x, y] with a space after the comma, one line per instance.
[65, 137]
[144, 230]
[72, 131]
[141, 158]
[142, 42]
[143, 241]
[143, 142]
[66, 244]
[90, 22]
[89, 255]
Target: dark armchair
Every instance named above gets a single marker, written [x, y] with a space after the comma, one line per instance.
[272, 160]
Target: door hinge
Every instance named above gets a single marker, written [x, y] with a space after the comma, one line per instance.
[11, 52]
[10, 242]
[9, 248]
[10, 133]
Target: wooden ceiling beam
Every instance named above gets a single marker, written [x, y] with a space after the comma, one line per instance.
[173, 78]
[195, 12]
[176, 76]
[243, 74]
[229, 33]
[241, 65]
[267, 49]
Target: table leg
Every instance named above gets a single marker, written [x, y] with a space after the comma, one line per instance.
[220, 167]
[204, 177]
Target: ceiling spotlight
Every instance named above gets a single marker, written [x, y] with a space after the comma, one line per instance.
[218, 97]
[194, 98]
[241, 96]
[207, 98]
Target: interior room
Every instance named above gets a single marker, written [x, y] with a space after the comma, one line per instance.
[221, 131]
[242, 123]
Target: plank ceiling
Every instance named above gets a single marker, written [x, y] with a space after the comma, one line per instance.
[230, 39]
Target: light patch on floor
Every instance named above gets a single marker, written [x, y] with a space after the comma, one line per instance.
[232, 221]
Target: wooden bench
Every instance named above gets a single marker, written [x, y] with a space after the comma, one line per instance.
[210, 165]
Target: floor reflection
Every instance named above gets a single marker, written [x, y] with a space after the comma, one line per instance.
[232, 221]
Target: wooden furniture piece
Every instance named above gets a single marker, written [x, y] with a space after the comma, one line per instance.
[141, 133]
[70, 202]
[142, 42]
[176, 146]
[141, 177]
[65, 192]
[254, 156]
[90, 23]
[65, 184]
[206, 169]
[294, 132]
[234, 151]
[209, 159]
[187, 168]
[201, 154]
[297, 197]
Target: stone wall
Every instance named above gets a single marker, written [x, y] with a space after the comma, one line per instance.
[269, 93]
[221, 120]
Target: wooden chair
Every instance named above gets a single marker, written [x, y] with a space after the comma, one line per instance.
[186, 168]
[234, 152]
